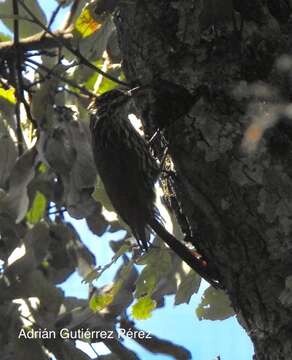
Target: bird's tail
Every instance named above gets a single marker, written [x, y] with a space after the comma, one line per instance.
[199, 265]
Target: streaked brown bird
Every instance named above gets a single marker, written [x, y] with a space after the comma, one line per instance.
[129, 173]
[124, 163]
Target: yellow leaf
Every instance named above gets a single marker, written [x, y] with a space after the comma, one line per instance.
[38, 208]
[99, 302]
[42, 168]
[45, 264]
[86, 25]
[8, 94]
[143, 308]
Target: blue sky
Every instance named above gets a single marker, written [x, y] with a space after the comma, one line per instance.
[205, 339]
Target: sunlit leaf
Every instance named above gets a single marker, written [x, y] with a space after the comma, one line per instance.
[26, 28]
[86, 24]
[97, 272]
[187, 288]
[91, 276]
[143, 308]
[91, 81]
[42, 168]
[122, 77]
[45, 264]
[8, 94]
[38, 208]
[99, 302]
[158, 264]
[123, 249]
[156, 257]
[4, 37]
[215, 305]
[101, 84]
[146, 282]
[106, 85]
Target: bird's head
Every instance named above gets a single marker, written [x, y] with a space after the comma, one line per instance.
[107, 103]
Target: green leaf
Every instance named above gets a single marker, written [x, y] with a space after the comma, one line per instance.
[122, 250]
[158, 264]
[215, 305]
[38, 208]
[187, 288]
[143, 308]
[97, 272]
[92, 275]
[99, 302]
[157, 258]
[91, 80]
[42, 168]
[26, 28]
[4, 37]
[106, 85]
[100, 84]
[146, 283]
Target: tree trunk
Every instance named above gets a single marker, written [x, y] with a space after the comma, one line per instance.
[238, 206]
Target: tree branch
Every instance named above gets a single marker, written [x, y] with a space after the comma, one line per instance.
[60, 77]
[54, 14]
[72, 14]
[36, 42]
[18, 78]
[74, 51]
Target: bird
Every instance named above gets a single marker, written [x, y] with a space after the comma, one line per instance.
[124, 163]
[129, 172]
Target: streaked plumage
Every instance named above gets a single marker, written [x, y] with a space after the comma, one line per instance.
[124, 162]
[129, 172]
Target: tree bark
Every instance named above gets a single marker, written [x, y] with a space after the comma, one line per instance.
[238, 206]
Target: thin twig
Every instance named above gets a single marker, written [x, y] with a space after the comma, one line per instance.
[54, 14]
[57, 212]
[60, 77]
[74, 93]
[71, 16]
[18, 79]
[36, 42]
[71, 49]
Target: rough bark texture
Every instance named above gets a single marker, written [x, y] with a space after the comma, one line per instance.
[238, 206]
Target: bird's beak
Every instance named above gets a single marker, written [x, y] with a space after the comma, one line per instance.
[139, 90]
